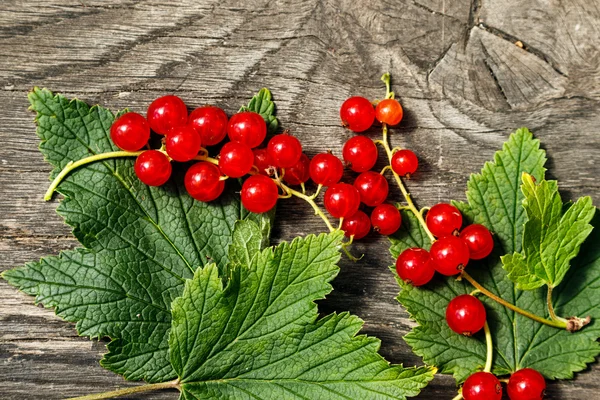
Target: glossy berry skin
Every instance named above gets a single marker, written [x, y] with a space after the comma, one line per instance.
[386, 219]
[443, 220]
[450, 255]
[404, 162]
[373, 188]
[153, 168]
[482, 386]
[262, 161]
[202, 181]
[235, 159]
[285, 150]
[326, 169]
[247, 127]
[357, 114]
[360, 153]
[182, 143]
[526, 384]
[166, 113]
[210, 123]
[341, 200]
[465, 315]
[357, 225]
[130, 132]
[299, 173]
[259, 194]
[414, 266]
[389, 111]
[479, 239]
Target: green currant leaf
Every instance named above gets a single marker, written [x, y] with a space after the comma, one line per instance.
[262, 104]
[551, 238]
[495, 200]
[141, 243]
[259, 338]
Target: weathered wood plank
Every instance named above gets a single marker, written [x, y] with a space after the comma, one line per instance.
[462, 80]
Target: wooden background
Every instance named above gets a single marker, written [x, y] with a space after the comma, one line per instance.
[467, 73]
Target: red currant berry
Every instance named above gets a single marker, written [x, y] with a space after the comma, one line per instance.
[465, 315]
[202, 181]
[153, 168]
[357, 114]
[299, 173]
[414, 266]
[210, 123]
[247, 127]
[130, 132]
[357, 225]
[526, 384]
[235, 159]
[404, 162]
[482, 386]
[389, 111]
[285, 150]
[165, 113]
[360, 153]
[373, 188]
[326, 169]
[386, 219]
[341, 200]
[479, 239]
[262, 161]
[182, 143]
[450, 255]
[259, 194]
[443, 220]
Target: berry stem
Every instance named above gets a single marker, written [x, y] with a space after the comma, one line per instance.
[490, 348]
[553, 315]
[309, 199]
[458, 397]
[555, 324]
[386, 79]
[136, 389]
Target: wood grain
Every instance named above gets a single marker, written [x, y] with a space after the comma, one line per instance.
[457, 68]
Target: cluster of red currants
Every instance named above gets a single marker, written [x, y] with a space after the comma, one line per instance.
[525, 384]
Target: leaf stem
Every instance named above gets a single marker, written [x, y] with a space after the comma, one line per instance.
[490, 348]
[131, 390]
[555, 324]
[553, 315]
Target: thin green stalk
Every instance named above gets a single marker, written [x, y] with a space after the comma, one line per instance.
[309, 199]
[553, 315]
[132, 390]
[490, 348]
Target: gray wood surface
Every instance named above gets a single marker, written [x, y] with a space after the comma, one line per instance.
[467, 73]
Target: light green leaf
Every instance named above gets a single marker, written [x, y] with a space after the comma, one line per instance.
[259, 337]
[261, 103]
[551, 238]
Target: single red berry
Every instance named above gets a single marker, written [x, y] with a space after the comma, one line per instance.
[389, 111]
[414, 266]
[404, 162]
[386, 219]
[182, 143]
[259, 194]
[235, 159]
[482, 386]
[202, 181]
[450, 255]
[285, 150]
[153, 168]
[326, 169]
[479, 239]
[465, 315]
[357, 225]
[247, 127]
[526, 384]
[443, 220]
[299, 173]
[130, 132]
[357, 114]
[210, 123]
[341, 200]
[165, 113]
[373, 188]
[360, 153]
[262, 161]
